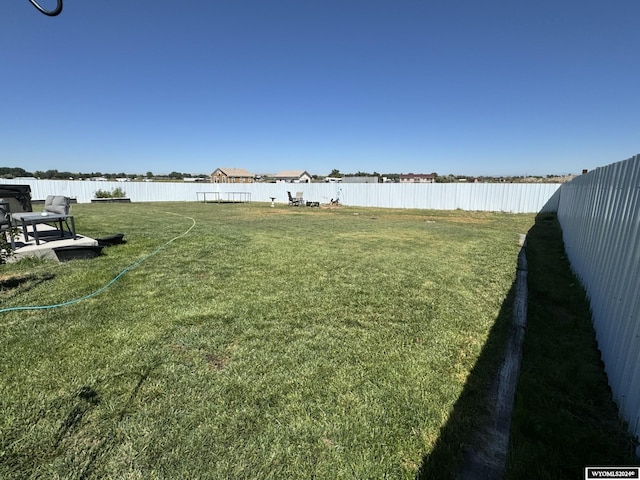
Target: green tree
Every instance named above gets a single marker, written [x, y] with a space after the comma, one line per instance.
[11, 172]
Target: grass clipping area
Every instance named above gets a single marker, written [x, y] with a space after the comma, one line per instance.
[268, 343]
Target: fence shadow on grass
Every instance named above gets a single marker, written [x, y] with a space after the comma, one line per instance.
[564, 418]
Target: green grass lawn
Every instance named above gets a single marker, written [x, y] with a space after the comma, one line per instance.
[266, 343]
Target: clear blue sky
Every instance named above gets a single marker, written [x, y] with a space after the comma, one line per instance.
[394, 86]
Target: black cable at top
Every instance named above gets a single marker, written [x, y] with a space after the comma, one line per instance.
[50, 13]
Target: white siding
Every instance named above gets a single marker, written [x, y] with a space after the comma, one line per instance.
[600, 217]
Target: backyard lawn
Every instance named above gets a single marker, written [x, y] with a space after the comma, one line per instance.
[263, 343]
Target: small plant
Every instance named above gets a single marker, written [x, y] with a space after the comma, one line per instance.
[115, 193]
[5, 245]
[118, 193]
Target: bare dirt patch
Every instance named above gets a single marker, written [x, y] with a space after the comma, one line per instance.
[216, 362]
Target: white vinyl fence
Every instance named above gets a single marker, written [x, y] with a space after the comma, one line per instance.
[600, 217]
[497, 197]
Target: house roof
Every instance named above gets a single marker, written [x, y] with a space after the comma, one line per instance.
[235, 172]
[291, 174]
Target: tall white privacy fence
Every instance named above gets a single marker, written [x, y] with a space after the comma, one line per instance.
[506, 197]
[600, 217]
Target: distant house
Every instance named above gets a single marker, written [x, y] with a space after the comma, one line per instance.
[417, 178]
[293, 176]
[232, 175]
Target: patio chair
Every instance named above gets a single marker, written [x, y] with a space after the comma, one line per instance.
[299, 198]
[57, 204]
[294, 200]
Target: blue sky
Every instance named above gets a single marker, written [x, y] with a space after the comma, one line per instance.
[395, 86]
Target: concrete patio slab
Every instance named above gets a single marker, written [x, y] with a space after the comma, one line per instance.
[49, 240]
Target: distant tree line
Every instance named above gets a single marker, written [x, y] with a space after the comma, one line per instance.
[13, 172]
[451, 178]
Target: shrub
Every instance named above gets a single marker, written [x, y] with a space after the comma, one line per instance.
[115, 193]
[118, 193]
[5, 244]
